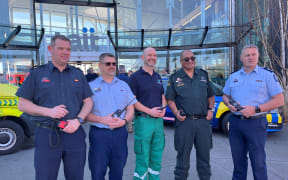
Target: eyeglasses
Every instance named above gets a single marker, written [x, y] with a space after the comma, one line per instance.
[109, 63]
[187, 58]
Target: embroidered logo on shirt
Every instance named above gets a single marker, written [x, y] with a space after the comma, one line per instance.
[159, 82]
[97, 89]
[259, 80]
[203, 79]
[76, 80]
[235, 80]
[45, 79]
[122, 90]
[179, 82]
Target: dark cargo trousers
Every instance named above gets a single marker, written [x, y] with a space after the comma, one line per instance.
[189, 132]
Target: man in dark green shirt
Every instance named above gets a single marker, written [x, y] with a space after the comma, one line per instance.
[191, 99]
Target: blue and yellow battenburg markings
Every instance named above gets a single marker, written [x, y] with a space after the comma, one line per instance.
[221, 108]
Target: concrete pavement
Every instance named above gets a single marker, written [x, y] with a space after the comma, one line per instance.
[19, 166]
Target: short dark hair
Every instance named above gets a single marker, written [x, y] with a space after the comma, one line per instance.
[103, 55]
[62, 37]
[121, 68]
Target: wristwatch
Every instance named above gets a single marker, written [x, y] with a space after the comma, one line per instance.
[211, 109]
[80, 120]
[257, 109]
[126, 121]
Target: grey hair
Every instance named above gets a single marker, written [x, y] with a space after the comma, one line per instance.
[103, 55]
[182, 52]
[249, 46]
[61, 37]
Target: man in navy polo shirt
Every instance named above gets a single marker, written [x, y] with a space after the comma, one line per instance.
[57, 92]
[146, 85]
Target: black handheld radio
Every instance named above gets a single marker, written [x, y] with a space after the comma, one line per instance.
[235, 104]
[118, 112]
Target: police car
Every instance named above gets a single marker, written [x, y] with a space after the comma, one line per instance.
[222, 113]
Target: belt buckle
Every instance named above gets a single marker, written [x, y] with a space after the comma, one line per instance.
[243, 118]
[194, 118]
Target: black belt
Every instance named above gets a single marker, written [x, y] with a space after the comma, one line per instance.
[52, 127]
[251, 117]
[143, 114]
[104, 128]
[48, 126]
[196, 116]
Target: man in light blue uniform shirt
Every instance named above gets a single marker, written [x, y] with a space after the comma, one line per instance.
[108, 135]
[258, 91]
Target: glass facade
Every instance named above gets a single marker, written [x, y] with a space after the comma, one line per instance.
[87, 28]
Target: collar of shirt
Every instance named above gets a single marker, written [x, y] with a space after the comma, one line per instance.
[115, 80]
[52, 67]
[256, 70]
[144, 72]
[182, 73]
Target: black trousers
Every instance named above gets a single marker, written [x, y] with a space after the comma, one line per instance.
[51, 148]
[188, 133]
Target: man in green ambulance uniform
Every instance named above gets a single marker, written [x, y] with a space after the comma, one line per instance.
[191, 99]
[146, 84]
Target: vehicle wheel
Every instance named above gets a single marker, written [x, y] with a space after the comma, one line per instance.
[11, 136]
[225, 123]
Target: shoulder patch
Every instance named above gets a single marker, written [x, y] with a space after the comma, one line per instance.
[38, 68]
[275, 78]
[41, 66]
[268, 69]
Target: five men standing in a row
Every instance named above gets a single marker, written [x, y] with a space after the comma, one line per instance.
[58, 94]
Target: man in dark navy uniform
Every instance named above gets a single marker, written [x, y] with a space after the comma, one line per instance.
[191, 99]
[52, 93]
[258, 91]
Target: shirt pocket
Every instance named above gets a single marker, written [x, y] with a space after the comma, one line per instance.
[46, 88]
[76, 87]
[260, 83]
[121, 98]
[181, 87]
[203, 88]
[259, 87]
[234, 85]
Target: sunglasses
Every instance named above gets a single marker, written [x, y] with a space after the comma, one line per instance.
[187, 58]
[109, 63]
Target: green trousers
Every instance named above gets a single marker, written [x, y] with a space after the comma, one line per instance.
[149, 142]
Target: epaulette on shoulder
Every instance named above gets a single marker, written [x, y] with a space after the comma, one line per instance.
[38, 67]
[76, 68]
[41, 66]
[267, 69]
[203, 70]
